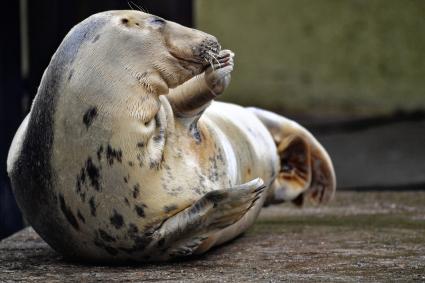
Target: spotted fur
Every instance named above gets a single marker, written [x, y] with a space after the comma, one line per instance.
[114, 170]
[89, 116]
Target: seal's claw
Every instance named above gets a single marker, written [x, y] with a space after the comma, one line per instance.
[216, 210]
[217, 76]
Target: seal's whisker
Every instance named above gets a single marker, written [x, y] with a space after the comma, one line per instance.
[137, 6]
[211, 64]
[129, 5]
[215, 58]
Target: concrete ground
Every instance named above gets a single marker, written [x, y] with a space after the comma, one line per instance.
[367, 236]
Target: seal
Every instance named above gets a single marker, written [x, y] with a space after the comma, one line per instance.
[125, 155]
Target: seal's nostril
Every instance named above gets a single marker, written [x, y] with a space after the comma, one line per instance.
[208, 49]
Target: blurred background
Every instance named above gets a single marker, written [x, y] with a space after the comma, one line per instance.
[351, 71]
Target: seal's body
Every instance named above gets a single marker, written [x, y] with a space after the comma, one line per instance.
[123, 155]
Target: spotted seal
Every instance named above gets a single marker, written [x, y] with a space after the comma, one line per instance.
[125, 156]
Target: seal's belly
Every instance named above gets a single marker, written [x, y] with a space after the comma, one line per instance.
[112, 192]
[250, 143]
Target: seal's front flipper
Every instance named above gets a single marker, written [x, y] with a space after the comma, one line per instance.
[193, 97]
[181, 234]
[225, 207]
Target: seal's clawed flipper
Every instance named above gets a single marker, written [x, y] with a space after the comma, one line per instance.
[181, 234]
[192, 97]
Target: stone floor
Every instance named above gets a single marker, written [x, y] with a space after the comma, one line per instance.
[368, 236]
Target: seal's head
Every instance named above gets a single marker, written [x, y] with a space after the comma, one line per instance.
[159, 53]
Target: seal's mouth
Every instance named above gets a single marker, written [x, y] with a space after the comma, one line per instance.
[201, 57]
[194, 65]
[194, 60]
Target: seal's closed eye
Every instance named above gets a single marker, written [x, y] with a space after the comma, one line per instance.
[157, 21]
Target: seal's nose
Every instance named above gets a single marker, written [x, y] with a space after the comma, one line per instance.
[212, 45]
[209, 48]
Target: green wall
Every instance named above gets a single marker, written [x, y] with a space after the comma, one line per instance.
[334, 57]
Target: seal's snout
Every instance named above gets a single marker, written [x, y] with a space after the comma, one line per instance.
[208, 49]
[211, 44]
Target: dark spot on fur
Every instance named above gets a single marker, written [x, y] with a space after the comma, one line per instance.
[78, 186]
[160, 136]
[124, 21]
[117, 220]
[99, 153]
[169, 208]
[126, 201]
[83, 175]
[81, 180]
[213, 175]
[105, 236]
[89, 116]
[125, 179]
[194, 131]
[93, 174]
[140, 210]
[130, 163]
[156, 164]
[220, 155]
[140, 144]
[96, 38]
[136, 190]
[92, 206]
[68, 213]
[113, 154]
[80, 216]
[71, 73]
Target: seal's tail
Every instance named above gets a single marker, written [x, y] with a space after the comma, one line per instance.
[306, 170]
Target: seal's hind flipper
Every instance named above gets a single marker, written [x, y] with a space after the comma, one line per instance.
[306, 171]
[184, 232]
